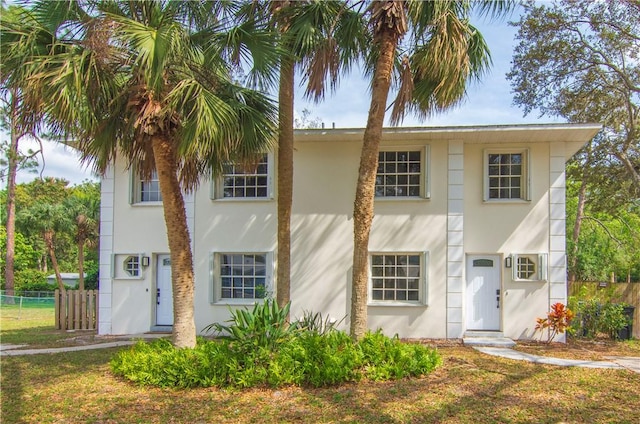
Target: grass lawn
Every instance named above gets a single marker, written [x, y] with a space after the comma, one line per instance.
[468, 387]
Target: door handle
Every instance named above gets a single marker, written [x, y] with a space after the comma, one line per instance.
[498, 300]
[158, 296]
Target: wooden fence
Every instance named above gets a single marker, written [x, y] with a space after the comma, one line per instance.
[76, 309]
[618, 293]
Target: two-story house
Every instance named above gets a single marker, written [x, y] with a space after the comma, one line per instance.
[468, 234]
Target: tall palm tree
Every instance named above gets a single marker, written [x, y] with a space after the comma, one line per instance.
[324, 39]
[432, 51]
[152, 81]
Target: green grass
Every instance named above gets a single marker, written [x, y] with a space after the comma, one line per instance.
[34, 327]
[469, 387]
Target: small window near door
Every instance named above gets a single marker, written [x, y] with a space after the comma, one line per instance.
[529, 267]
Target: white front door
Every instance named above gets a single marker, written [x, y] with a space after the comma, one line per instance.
[164, 292]
[483, 293]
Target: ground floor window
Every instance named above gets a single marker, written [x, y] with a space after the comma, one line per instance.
[240, 276]
[398, 278]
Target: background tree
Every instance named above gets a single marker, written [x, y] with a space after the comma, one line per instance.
[18, 126]
[431, 50]
[48, 220]
[152, 82]
[579, 61]
[83, 205]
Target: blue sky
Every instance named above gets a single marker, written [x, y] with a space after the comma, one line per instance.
[489, 102]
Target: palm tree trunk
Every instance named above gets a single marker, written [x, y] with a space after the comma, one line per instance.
[285, 182]
[363, 205]
[9, 272]
[182, 278]
[48, 239]
[81, 265]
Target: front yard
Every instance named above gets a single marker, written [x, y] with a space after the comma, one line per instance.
[469, 387]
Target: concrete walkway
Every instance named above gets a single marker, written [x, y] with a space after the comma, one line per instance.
[15, 350]
[616, 362]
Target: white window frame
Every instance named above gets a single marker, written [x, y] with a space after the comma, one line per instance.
[215, 262]
[540, 260]
[423, 285]
[217, 185]
[135, 189]
[119, 266]
[525, 188]
[425, 181]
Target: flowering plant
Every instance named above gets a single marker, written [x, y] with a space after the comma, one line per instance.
[557, 321]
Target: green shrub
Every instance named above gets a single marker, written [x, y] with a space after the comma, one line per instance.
[595, 317]
[388, 358]
[32, 280]
[262, 349]
[265, 326]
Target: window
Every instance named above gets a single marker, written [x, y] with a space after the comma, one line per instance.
[506, 175]
[398, 278]
[144, 191]
[241, 276]
[127, 266]
[253, 182]
[132, 266]
[529, 267]
[402, 174]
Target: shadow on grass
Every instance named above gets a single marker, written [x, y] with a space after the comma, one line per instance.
[468, 387]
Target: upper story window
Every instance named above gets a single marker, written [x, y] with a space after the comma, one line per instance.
[240, 276]
[143, 191]
[402, 174]
[398, 278]
[506, 175]
[241, 182]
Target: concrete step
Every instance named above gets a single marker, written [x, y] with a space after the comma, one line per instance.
[488, 341]
[483, 333]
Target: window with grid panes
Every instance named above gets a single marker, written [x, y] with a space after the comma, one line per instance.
[506, 175]
[246, 182]
[146, 190]
[400, 174]
[525, 268]
[396, 277]
[242, 275]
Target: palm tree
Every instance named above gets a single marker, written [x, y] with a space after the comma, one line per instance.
[152, 81]
[324, 38]
[84, 209]
[442, 51]
[48, 220]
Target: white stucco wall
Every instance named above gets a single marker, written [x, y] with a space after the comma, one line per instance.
[452, 224]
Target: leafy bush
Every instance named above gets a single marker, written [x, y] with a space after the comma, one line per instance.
[32, 280]
[556, 321]
[316, 323]
[265, 326]
[261, 351]
[596, 317]
[388, 358]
